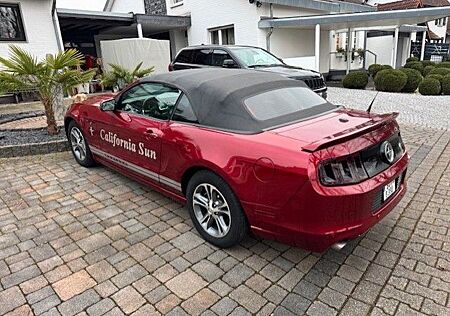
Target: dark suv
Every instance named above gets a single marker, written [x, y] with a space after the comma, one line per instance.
[245, 57]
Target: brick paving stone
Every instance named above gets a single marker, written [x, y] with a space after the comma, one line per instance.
[73, 285]
[58, 220]
[186, 284]
[78, 303]
[128, 299]
[11, 299]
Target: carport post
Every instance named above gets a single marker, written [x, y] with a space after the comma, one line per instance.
[395, 49]
[422, 51]
[139, 30]
[317, 48]
[349, 46]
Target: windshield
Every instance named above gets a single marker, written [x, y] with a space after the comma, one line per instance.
[291, 102]
[255, 57]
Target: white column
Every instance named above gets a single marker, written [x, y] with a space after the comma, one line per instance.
[139, 30]
[395, 49]
[219, 32]
[317, 47]
[349, 49]
[422, 51]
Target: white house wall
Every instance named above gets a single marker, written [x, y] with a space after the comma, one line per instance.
[440, 31]
[383, 47]
[39, 28]
[126, 6]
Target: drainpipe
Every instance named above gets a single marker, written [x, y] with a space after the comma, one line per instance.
[269, 33]
[56, 27]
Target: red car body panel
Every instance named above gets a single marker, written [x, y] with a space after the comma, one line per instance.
[274, 173]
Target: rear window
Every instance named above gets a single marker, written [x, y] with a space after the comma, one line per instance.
[202, 57]
[185, 56]
[274, 104]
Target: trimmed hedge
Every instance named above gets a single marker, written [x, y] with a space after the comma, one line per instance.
[390, 80]
[426, 63]
[445, 64]
[417, 65]
[356, 80]
[446, 85]
[436, 76]
[430, 86]
[440, 71]
[426, 71]
[375, 68]
[412, 59]
[413, 81]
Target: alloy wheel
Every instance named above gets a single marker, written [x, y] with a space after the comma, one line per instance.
[211, 210]
[78, 143]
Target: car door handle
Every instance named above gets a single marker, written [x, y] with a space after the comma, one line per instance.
[151, 133]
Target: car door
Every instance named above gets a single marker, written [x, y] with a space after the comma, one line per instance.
[133, 134]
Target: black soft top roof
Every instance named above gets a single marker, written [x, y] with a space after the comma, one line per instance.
[217, 95]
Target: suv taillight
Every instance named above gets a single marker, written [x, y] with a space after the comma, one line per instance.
[170, 67]
[342, 171]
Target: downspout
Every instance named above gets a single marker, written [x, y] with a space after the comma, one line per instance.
[56, 27]
[269, 33]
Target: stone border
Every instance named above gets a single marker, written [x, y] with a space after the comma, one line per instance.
[33, 149]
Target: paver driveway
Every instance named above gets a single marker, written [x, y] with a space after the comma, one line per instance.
[84, 241]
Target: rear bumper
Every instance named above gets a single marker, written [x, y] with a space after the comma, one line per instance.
[316, 219]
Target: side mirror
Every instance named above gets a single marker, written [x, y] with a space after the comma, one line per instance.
[108, 105]
[229, 63]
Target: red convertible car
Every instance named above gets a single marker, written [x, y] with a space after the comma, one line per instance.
[248, 151]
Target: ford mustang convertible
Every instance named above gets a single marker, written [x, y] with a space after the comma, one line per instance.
[248, 151]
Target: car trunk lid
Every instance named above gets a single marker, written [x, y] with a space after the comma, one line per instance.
[332, 128]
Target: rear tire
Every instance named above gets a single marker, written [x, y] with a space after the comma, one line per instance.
[79, 146]
[215, 210]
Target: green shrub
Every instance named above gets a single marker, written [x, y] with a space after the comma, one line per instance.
[417, 65]
[390, 80]
[445, 64]
[375, 68]
[427, 70]
[428, 63]
[356, 80]
[436, 76]
[430, 86]
[446, 85]
[414, 78]
[412, 59]
[440, 71]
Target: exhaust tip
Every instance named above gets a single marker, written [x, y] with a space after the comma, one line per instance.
[339, 245]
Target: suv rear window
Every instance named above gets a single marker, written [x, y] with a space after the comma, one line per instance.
[185, 56]
[282, 102]
[202, 57]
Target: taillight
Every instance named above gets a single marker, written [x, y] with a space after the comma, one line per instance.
[341, 171]
[170, 67]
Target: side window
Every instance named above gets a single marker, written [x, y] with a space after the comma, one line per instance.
[202, 57]
[154, 100]
[184, 111]
[185, 56]
[219, 56]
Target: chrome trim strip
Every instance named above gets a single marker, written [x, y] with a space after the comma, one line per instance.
[152, 175]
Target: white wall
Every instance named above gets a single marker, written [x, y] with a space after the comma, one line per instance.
[383, 47]
[39, 29]
[126, 6]
[440, 31]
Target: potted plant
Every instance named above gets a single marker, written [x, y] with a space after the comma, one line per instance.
[340, 52]
[119, 77]
[359, 53]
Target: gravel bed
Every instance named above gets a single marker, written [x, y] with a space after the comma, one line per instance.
[9, 117]
[429, 111]
[28, 136]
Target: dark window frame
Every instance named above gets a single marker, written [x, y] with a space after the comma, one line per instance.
[20, 22]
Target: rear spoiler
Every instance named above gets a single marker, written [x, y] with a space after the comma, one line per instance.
[369, 126]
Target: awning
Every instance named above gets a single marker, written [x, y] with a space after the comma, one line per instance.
[358, 20]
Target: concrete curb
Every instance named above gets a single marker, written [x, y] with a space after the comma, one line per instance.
[33, 149]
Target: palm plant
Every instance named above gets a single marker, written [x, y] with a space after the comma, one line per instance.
[50, 76]
[120, 77]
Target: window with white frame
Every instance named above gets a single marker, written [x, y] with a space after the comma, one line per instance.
[222, 35]
[11, 25]
[440, 22]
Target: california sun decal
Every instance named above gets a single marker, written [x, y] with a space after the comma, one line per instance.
[127, 144]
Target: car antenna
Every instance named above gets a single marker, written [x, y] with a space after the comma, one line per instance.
[371, 103]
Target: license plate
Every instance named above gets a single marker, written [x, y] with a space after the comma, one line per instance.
[388, 190]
